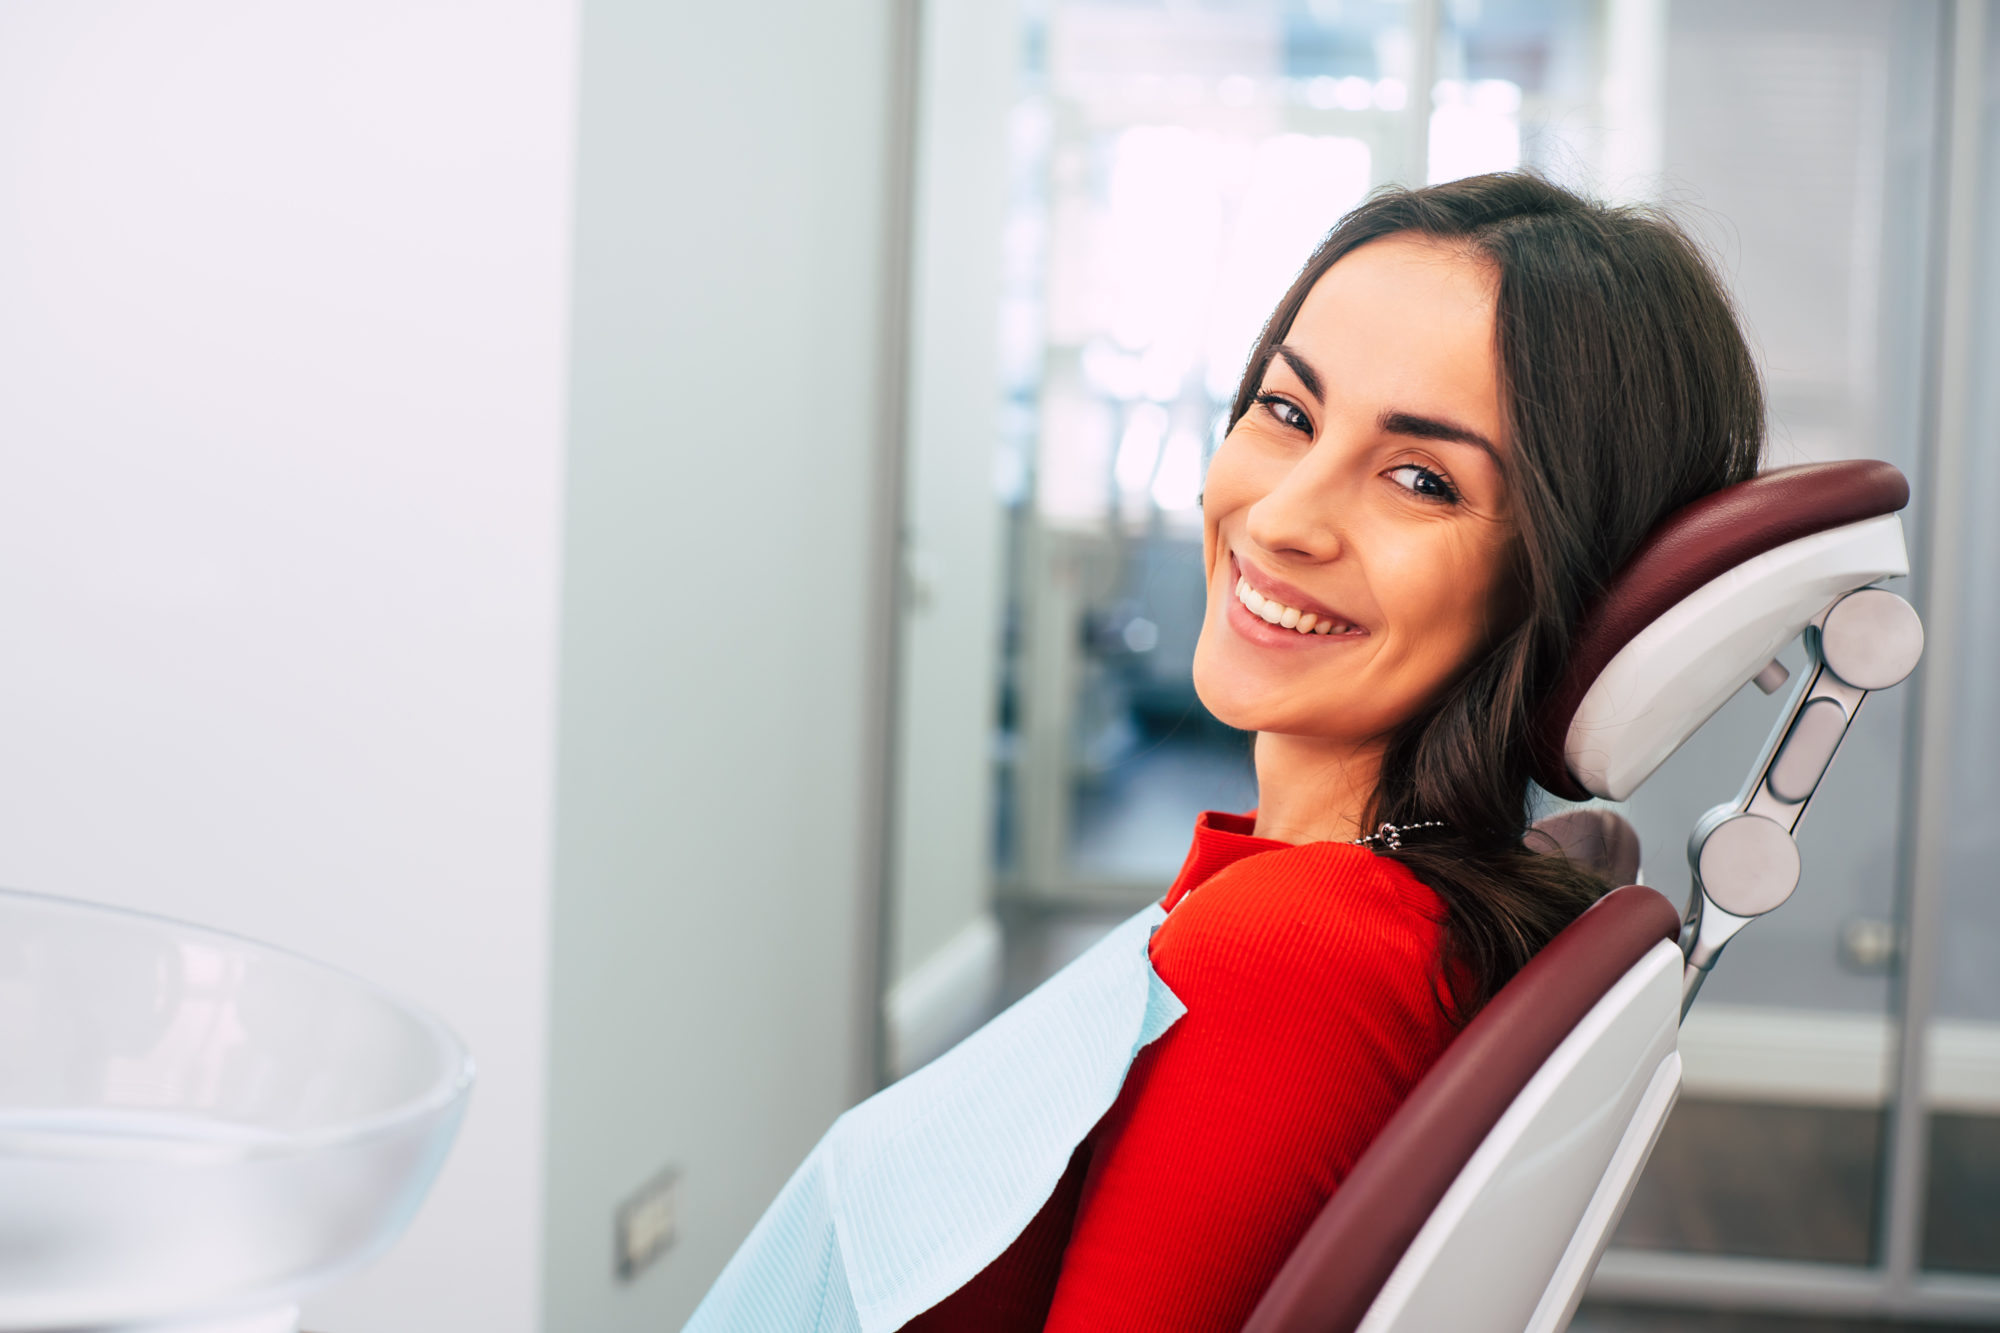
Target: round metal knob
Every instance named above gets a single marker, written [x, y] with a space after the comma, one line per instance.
[1872, 639]
[1748, 864]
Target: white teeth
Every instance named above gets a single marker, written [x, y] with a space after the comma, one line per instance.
[1290, 617]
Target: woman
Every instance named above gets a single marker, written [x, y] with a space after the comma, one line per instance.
[1469, 409]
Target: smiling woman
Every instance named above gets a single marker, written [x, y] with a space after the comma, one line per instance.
[1472, 405]
[1470, 408]
[1368, 495]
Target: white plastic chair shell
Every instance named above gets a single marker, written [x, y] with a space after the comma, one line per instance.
[1549, 1182]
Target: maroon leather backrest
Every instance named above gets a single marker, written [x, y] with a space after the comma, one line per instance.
[1695, 544]
[1337, 1268]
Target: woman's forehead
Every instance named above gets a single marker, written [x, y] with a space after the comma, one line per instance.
[1406, 318]
[1403, 284]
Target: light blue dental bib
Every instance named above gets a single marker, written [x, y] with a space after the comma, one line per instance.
[917, 1189]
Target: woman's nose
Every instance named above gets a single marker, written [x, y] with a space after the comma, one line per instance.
[1301, 515]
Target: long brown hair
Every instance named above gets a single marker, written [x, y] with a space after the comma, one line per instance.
[1628, 392]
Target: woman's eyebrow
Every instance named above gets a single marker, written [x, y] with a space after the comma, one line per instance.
[1392, 422]
[1430, 428]
[1303, 369]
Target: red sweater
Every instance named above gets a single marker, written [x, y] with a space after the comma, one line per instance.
[1310, 975]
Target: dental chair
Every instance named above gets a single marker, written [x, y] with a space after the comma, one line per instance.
[1485, 1203]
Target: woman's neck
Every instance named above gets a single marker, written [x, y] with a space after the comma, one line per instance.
[1313, 790]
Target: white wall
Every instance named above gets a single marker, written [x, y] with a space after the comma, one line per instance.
[724, 624]
[291, 471]
[282, 305]
[946, 946]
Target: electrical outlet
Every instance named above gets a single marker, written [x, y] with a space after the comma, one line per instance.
[647, 1223]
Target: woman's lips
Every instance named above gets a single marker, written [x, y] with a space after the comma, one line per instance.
[1268, 610]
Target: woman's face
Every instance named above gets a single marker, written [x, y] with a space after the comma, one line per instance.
[1357, 529]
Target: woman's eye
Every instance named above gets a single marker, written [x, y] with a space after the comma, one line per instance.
[1423, 481]
[1285, 411]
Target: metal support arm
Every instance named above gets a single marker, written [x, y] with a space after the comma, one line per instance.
[1743, 856]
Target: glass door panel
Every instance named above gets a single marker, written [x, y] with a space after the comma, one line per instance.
[1961, 1218]
[1798, 139]
[1174, 166]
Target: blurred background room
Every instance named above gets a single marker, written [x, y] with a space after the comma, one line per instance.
[669, 534]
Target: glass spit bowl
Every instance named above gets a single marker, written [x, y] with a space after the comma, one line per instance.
[197, 1130]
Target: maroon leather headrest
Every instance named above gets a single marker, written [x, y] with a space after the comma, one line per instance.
[1707, 538]
[1337, 1268]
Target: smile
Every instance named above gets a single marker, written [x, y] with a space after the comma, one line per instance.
[1274, 612]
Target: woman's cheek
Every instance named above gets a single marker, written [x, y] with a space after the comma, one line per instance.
[1464, 593]
[1222, 490]
[1475, 586]
[1217, 501]
[1432, 601]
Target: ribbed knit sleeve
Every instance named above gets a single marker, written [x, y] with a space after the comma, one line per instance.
[1310, 980]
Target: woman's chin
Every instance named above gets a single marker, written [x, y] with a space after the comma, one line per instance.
[1247, 691]
[1234, 696]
